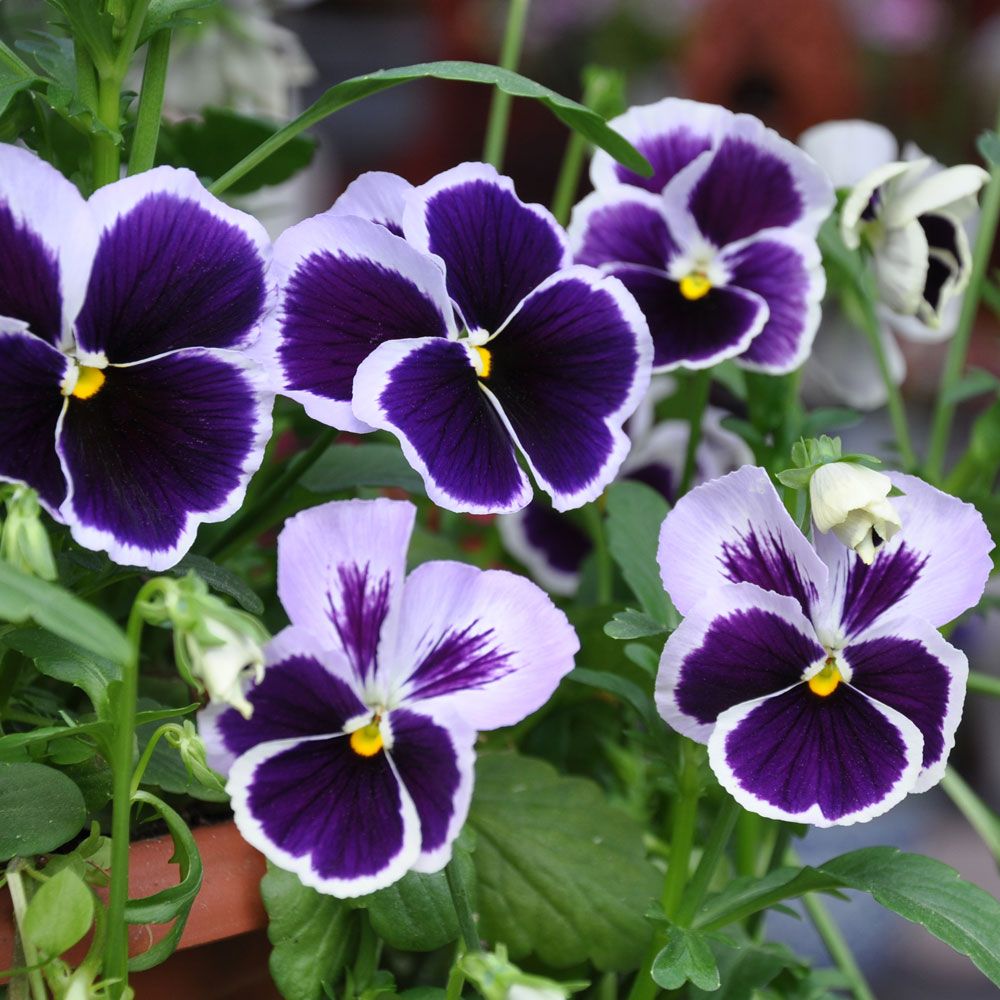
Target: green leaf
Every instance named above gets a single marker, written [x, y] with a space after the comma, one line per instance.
[579, 118]
[746, 968]
[974, 382]
[685, 958]
[561, 874]
[166, 769]
[24, 598]
[13, 80]
[59, 914]
[41, 809]
[313, 936]
[173, 14]
[631, 624]
[635, 514]
[622, 688]
[65, 661]
[222, 581]
[94, 28]
[988, 145]
[346, 467]
[828, 418]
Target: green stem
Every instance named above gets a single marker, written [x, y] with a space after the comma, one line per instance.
[701, 383]
[602, 555]
[981, 818]
[984, 683]
[147, 124]
[147, 756]
[718, 838]
[838, 948]
[107, 153]
[456, 980]
[749, 833]
[510, 53]
[959, 346]
[463, 909]
[249, 521]
[19, 901]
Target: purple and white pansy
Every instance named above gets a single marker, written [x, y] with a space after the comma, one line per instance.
[356, 764]
[718, 246]
[127, 397]
[822, 686]
[471, 339]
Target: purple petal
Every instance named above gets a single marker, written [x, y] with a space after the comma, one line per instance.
[693, 334]
[491, 647]
[435, 765]
[621, 225]
[376, 196]
[803, 758]
[935, 568]
[785, 270]
[670, 134]
[175, 268]
[339, 820]
[738, 644]
[30, 404]
[550, 544]
[908, 666]
[340, 572]
[427, 393]
[163, 446]
[495, 248]
[568, 369]
[734, 530]
[46, 244]
[347, 285]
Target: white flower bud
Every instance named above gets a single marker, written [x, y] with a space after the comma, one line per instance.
[853, 501]
[223, 664]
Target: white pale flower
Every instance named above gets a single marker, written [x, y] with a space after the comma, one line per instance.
[853, 501]
[225, 666]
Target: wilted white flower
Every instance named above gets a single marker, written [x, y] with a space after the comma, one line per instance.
[224, 662]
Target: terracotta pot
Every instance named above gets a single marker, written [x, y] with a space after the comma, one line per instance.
[223, 951]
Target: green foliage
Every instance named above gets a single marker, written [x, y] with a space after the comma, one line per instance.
[60, 913]
[171, 14]
[561, 874]
[686, 957]
[221, 580]
[631, 624]
[41, 809]
[347, 467]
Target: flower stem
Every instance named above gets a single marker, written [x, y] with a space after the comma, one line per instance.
[959, 346]
[838, 948]
[718, 838]
[19, 902]
[106, 152]
[701, 383]
[510, 54]
[456, 980]
[147, 125]
[981, 818]
[569, 177]
[984, 683]
[463, 908]
[602, 555]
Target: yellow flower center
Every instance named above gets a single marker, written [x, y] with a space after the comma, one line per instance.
[827, 680]
[695, 285]
[485, 363]
[367, 741]
[88, 382]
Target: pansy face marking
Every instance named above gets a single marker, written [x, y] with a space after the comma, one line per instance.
[821, 684]
[471, 339]
[127, 396]
[356, 764]
[718, 246]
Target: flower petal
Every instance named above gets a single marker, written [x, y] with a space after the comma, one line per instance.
[46, 245]
[340, 821]
[908, 666]
[568, 369]
[347, 285]
[935, 568]
[163, 446]
[733, 530]
[30, 404]
[785, 269]
[376, 196]
[936, 192]
[495, 247]
[901, 263]
[488, 646]
[849, 150]
[693, 334]
[802, 758]
[435, 765]
[427, 393]
[340, 573]
[175, 268]
[738, 644]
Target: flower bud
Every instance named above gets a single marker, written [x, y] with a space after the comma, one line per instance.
[221, 659]
[25, 542]
[499, 979]
[853, 502]
[185, 739]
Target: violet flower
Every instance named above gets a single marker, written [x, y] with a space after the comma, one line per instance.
[356, 765]
[821, 685]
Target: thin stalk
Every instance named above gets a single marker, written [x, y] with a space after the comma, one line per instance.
[981, 817]
[456, 979]
[510, 54]
[984, 683]
[569, 177]
[463, 909]
[107, 153]
[838, 948]
[602, 555]
[959, 346]
[147, 124]
[701, 383]
[19, 901]
[147, 756]
[749, 833]
[721, 831]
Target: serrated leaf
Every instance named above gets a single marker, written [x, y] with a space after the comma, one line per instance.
[222, 581]
[581, 119]
[59, 914]
[561, 874]
[346, 467]
[312, 935]
[686, 957]
[24, 598]
[13, 80]
[41, 809]
[631, 624]
[635, 514]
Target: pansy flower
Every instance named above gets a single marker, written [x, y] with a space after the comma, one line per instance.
[821, 685]
[356, 763]
[127, 398]
[472, 339]
[718, 245]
